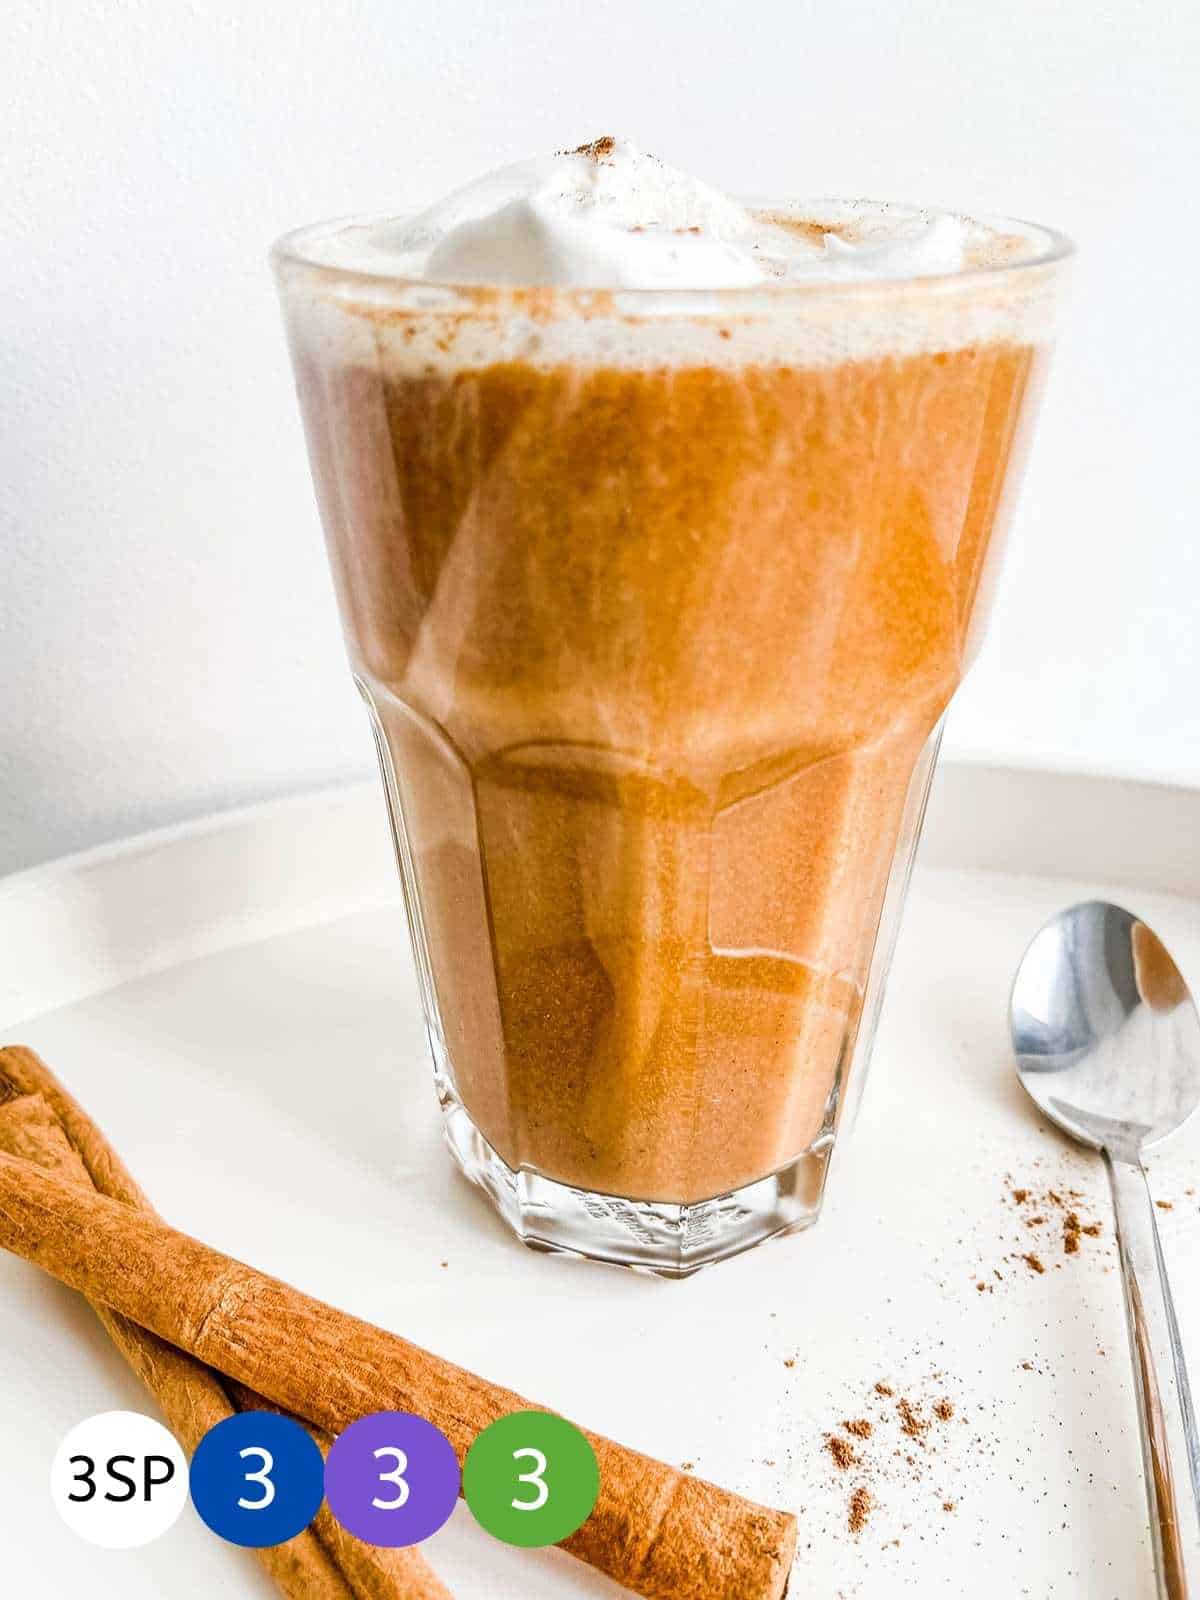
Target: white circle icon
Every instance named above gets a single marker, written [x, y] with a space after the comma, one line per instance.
[119, 1480]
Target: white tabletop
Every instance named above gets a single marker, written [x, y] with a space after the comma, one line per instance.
[273, 1098]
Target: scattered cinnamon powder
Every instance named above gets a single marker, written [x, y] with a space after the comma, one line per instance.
[860, 1509]
[597, 149]
[911, 1421]
[1074, 1229]
[880, 1456]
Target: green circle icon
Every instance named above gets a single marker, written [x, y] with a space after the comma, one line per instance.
[531, 1479]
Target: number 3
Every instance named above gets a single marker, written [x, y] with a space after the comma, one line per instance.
[84, 1475]
[396, 1476]
[534, 1477]
[261, 1476]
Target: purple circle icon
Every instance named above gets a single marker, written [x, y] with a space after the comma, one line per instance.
[392, 1478]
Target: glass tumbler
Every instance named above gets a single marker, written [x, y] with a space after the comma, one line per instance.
[656, 601]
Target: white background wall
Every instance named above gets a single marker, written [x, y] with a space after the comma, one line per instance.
[167, 637]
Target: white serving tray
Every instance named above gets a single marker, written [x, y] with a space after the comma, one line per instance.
[234, 1003]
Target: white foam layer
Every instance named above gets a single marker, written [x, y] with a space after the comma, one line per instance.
[331, 328]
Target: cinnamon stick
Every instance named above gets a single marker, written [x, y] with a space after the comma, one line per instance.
[660, 1532]
[372, 1572]
[42, 1123]
[190, 1398]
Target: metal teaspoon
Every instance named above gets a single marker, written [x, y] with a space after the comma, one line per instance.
[1107, 1042]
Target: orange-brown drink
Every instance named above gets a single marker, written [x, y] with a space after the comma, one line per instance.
[663, 531]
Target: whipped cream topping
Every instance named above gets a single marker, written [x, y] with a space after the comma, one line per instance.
[608, 216]
[542, 262]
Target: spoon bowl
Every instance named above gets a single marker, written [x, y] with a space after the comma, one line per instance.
[1106, 1034]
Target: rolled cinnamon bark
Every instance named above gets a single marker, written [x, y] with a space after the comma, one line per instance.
[659, 1532]
[190, 1397]
[42, 1123]
[372, 1572]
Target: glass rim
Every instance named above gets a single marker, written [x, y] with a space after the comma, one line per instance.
[294, 249]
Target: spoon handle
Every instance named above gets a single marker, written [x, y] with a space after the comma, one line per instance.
[1170, 1448]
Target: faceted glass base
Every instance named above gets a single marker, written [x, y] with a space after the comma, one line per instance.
[669, 1239]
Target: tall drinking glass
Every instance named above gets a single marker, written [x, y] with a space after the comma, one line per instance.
[656, 601]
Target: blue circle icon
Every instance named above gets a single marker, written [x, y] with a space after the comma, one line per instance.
[257, 1479]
